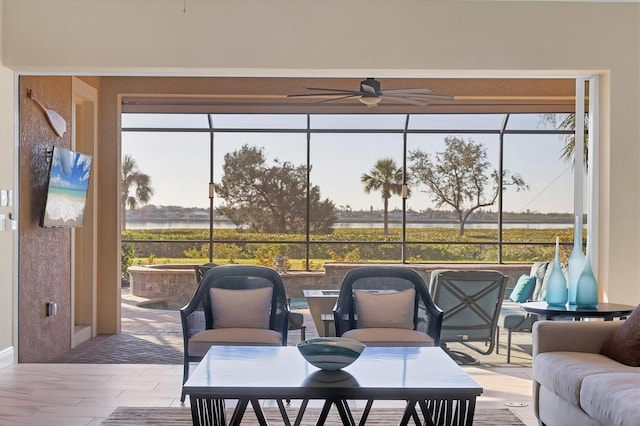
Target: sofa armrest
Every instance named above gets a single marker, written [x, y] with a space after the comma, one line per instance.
[571, 336]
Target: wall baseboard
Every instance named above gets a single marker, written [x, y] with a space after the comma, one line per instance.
[6, 357]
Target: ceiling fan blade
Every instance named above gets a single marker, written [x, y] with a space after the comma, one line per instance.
[406, 100]
[405, 91]
[347, 93]
[338, 98]
[324, 89]
[440, 97]
[370, 91]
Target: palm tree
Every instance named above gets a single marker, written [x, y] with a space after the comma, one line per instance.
[569, 123]
[385, 177]
[135, 187]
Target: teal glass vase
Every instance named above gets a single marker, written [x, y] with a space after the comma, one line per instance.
[587, 291]
[576, 261]
[557, 293]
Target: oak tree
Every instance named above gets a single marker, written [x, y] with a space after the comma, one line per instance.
[271, 197]
[461, 177]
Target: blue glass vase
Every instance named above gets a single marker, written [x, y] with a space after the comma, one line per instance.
[587, 291]
[557, 293]
[576, 261]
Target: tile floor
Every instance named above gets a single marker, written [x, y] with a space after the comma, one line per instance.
[142, 367]
[85, 394]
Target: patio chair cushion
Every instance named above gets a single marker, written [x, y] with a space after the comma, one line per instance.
[200, 343]
[523, 289]
[389, 337]
[387, 310]
[241, 308]
[539, 270]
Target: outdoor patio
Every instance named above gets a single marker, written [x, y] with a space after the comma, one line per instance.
[154, 336]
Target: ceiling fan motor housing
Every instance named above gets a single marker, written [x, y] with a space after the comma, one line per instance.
[370, 87]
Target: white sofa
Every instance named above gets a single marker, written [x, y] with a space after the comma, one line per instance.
[573, 384]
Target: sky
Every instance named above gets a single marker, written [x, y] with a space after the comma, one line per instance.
[178, 163]
[70, 169]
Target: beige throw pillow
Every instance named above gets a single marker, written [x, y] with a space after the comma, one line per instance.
[241, 308]
[385, 310]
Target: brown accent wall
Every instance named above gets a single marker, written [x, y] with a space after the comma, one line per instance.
[44, 271]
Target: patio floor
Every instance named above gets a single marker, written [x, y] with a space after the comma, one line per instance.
[154, 336]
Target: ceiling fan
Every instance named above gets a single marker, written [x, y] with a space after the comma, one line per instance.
[371, 94]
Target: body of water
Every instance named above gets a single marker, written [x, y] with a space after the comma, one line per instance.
[354, 225]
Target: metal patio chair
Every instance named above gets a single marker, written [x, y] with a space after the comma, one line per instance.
[471, 302]
[203, 269]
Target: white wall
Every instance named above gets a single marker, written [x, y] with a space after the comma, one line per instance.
[356, 38]
[7, 237]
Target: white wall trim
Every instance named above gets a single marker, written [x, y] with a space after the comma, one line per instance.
[593, 224]
[7, 357]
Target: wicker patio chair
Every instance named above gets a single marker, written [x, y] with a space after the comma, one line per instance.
[234, 305]
[387, 306]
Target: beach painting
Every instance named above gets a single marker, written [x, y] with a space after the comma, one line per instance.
[67, 189]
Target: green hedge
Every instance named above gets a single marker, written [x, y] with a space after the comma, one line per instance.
[424, 245]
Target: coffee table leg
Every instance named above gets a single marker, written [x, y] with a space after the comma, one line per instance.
[207, 411]
[303, 408]
[471, 409]
[345, 412]
[324, 413]
[283, 413]
[238, 412]
[262, 421]
[458, 412]
[365, 412]
[410, 413]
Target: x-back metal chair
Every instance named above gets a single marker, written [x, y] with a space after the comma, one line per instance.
[471, 302]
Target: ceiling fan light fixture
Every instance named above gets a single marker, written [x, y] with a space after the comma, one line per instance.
[370, 101]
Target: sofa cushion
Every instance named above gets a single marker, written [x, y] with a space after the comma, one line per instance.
[389, 337]
[624, 343]
[563, 372]
[200, 343]
[523, 289]
[618, 404]
[393, 310]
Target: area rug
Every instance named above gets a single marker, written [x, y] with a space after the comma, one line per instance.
[134, 416]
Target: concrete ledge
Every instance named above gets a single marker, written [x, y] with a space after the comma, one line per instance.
[336, 271]
[175, 284]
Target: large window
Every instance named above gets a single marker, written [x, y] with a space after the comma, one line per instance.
[231, 188]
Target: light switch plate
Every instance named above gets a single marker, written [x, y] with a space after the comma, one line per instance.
[4, 197]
